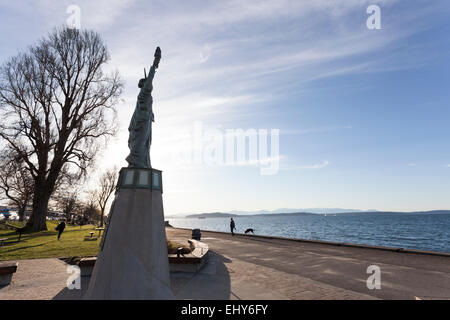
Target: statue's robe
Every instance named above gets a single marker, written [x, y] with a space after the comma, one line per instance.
[140, 128]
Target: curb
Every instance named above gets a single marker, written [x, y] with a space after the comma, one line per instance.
[338, 244]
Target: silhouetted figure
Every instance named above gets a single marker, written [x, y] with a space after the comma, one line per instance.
[60, 228]
[232, 226]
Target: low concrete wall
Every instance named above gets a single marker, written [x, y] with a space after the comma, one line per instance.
[87, 266]
[191, 262]
[187, 266]
[7, 269]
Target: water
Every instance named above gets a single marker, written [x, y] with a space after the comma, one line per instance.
[409, 231]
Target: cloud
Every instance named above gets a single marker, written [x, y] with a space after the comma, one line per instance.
[320, 129]
[222, 58]
[316, 166]
[230, 48]
[254, 162]
[99, 14]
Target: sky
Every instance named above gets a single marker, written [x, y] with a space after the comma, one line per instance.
[354, 117]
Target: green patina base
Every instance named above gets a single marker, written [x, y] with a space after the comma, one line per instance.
[140, 178]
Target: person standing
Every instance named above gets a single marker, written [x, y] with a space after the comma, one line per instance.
[60, 228]
[232, 226]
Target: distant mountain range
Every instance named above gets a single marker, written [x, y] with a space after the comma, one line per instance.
[302, 212]
[308, 210]
[398, 212]
[224, 215]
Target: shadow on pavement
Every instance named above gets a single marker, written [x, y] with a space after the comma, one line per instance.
[211, 282]
[73, 294]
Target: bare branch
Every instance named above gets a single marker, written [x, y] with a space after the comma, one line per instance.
[57, 107]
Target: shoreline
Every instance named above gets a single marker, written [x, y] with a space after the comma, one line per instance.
[333, 243]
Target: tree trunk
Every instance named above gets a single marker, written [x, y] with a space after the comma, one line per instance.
[22, 210]
[43, 189]
[103, 215]
[37, 221]
[67, 215]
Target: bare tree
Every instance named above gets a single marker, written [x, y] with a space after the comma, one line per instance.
[91, 211]
[57, 106]
[107, 183]
[69, 204]
[16, 183]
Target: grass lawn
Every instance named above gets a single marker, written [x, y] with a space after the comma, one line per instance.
[44, 244]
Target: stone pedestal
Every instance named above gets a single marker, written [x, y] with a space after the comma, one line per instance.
[133, 262]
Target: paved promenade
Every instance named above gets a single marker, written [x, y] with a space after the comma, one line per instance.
[248, 267]
[36, 279]
[288, 269]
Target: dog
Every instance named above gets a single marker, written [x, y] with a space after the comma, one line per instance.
[249, 230]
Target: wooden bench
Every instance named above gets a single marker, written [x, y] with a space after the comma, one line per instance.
[90, 237]
[7, 269]
[99, 231]
[19, 230]
[2, 241]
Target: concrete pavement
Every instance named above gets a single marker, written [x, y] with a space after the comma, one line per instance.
[248, 267]
[308, 265]
[36, 279]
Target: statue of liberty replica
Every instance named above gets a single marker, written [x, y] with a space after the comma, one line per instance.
[133, 261]
[141, 123]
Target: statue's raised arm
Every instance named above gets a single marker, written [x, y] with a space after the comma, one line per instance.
[147, 80]
[140, 128]
[157, 58]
